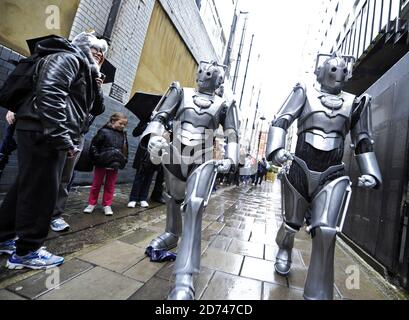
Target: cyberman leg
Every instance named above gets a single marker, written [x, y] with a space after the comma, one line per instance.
[295, 207]
[174, 197]
[326, 209]
[199, 188]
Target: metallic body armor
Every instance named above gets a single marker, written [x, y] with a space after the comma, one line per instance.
[316, 188]
[190, 170]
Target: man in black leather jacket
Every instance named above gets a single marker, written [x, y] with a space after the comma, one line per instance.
[49, 127]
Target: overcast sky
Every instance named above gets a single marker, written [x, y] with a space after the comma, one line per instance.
[280, 29]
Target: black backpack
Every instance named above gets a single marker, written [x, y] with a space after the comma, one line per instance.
[19, 85]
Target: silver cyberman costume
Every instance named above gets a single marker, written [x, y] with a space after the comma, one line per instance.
[190, 170]
[316, 188]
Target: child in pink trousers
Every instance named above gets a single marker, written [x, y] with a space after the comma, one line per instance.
[109, 153]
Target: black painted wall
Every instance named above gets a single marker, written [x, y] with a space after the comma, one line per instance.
[377, 219]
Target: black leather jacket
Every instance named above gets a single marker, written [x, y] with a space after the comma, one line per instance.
[63, 97]
[109, 148]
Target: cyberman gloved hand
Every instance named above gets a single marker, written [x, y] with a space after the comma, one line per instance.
[367, 181]
[156, 147]
[281, 156]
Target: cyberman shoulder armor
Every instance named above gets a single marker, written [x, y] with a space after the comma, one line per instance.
[164, 111]
[290, 111]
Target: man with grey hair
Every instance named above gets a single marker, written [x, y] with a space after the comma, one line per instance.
[49, 127]
[96, 57]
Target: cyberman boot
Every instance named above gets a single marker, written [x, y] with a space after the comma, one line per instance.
[285, 242]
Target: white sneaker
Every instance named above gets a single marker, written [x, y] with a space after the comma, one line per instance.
[89, 209]
[108, 211]
[132, 204]
[144, 204]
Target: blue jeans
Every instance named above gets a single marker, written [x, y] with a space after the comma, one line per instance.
[140, 188]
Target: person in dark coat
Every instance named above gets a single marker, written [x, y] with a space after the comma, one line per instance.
[145, 170]
[109, 152]
[261, 171]
[49, 127]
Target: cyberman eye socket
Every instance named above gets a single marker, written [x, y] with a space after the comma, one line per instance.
[345, 70]
[208, 74]
[334, 69]
[200, 71]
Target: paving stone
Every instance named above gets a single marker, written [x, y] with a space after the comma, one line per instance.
[297, 276]
[205, 224]
[303, 245]
[144, 270]
[96, 284]
[246, 248]
[225, 286]
[202, 281]
[211, 217]
[37, 284]
[278, 292]
[159, 225]
[235, 233]
[258, 228]
[216, 226]
[116, 256]
[303, 235]
[359, 289]
[222, 261]
[261, 270]
[140, 238]
[270, 252]
[233, 223]
[221, 243]
[7, 295]
[155, 289]
[262, 238]
[209, 234]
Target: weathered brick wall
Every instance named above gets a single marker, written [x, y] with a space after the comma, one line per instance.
[124, 53]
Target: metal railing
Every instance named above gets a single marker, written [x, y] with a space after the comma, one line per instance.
[374, 18]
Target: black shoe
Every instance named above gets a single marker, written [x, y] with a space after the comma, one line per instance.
[159, 199]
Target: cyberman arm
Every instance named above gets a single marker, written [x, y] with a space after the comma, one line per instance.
[165, 110]
[231, 129]
[362, 143]
[290, 111]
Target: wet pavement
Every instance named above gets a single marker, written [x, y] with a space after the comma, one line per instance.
[105, 255]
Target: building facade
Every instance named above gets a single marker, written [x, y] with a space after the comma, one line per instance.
[152, 44]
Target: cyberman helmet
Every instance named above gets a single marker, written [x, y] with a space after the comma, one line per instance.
[210, 77]
[334, 72]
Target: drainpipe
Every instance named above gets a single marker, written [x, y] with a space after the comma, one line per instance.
[113, 16]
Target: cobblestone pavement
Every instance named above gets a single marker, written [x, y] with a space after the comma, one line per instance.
[105, 256]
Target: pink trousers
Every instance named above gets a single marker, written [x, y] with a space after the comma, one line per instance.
[109, 186]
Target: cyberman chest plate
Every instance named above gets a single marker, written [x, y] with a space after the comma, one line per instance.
[326, 119]
[198, 118]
